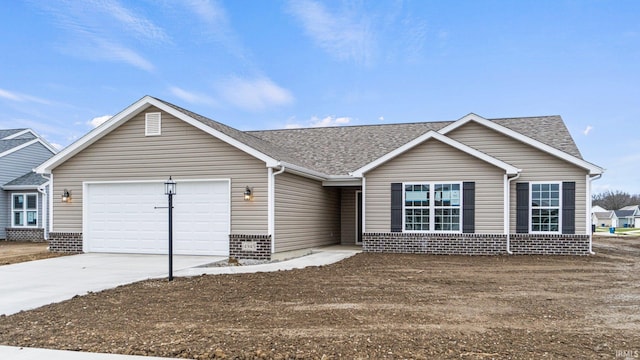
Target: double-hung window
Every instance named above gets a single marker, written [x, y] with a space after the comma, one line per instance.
[545, 207]
[432, 207]
[24, 210]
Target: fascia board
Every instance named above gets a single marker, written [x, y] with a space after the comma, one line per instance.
[593, 169]
[19, 133]
[304, 172]
[509, 169]
[131, 111]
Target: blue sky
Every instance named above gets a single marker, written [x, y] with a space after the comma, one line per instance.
[65, 65]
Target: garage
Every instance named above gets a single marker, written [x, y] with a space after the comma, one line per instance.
[131, 217]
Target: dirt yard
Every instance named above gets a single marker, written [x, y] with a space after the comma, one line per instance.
[368, 306]
[12, 252]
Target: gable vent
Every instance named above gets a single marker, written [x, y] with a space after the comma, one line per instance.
[153, 124]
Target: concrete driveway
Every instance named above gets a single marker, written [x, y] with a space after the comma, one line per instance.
[29, 285]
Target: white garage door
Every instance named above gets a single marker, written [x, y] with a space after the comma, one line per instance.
[132, 218]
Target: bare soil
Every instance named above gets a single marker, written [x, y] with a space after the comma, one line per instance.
[368, 306]
[12, 252]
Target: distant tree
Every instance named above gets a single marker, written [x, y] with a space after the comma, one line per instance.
[615, 200]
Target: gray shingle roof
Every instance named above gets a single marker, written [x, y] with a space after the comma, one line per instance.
[28, 179]
[623, 213]
[10, 144]
[8, 132]
[340, 150]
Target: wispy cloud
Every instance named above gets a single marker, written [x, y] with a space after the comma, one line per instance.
[345, 35]
[16, 96]
[253, 94]
[587, 130]
[97, 121]
[316, 121]
[192, 97]
[104, 30]
[217, 25]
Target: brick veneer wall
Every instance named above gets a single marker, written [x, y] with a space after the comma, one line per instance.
[24, 234]
[256, 247]
[438, 244]
[476, 244]
[65, 242]
[551, 244]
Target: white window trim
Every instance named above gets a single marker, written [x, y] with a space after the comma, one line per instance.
[24, 211]
[146, 123]
[559, 183]
[432, 208]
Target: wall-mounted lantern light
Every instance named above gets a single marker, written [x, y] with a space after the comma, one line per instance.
[248, 194]
[66, 196]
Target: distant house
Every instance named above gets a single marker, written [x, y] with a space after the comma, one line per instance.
[603, 218]
[470, 186]
[628, 216]
[23, 203]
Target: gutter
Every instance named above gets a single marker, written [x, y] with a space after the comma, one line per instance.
[507, 207]
[271, 196]
[45, 196]
[590, 180]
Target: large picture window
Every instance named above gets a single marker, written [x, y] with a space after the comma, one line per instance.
[545, 207]
[432, 207]
[24, 210]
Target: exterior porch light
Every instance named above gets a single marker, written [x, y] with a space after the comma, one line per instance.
[66, 196]
[248, 194]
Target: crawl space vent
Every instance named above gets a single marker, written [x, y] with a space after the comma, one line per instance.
[152, 124]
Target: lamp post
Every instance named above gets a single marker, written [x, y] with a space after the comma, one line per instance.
[170, 190]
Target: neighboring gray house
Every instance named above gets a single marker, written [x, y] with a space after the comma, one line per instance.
[623, 218]
[469, 186]
[635, 221]
[22, 201]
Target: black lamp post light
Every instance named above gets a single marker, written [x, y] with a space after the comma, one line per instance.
[170, 188]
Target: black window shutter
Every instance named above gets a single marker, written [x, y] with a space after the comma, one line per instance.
[568, 207]
[522, 207]
[396, 207]
[468, 207]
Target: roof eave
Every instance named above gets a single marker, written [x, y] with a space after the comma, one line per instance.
[130, 112]
[593, 169]
[509, 169]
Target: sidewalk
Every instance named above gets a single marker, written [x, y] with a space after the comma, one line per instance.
[318, 257]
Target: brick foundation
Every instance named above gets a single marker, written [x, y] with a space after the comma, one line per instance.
[438, 244]
[25, 234]
[65, 242]
[475, 244]
[256, 247]
[551, 244]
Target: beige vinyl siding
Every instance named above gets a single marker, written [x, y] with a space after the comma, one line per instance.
[348, 217]
[434, 161]
[182, 151]
[536, 165]
[306, 213]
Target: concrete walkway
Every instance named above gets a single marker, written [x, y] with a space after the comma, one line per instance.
[33, 284]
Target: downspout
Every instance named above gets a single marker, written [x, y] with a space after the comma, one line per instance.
[507, 206]
[589, 203]
[45, 197]
[271, 205]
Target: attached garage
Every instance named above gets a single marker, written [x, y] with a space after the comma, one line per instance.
[131, 217]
